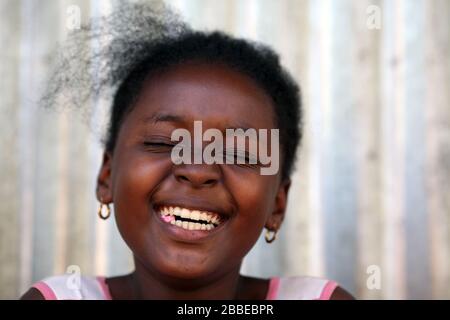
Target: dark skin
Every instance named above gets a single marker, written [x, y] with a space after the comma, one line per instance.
[139, 175]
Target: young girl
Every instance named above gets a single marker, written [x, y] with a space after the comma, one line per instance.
[189, 226]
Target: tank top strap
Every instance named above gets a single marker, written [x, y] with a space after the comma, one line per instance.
[68, 287]
[300, 288]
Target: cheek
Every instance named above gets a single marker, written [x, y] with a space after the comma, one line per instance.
[254, 196]
[135, 178]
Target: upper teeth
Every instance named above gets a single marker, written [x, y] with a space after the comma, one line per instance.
[208, 217]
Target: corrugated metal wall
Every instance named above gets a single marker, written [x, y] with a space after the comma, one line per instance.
[372, 189]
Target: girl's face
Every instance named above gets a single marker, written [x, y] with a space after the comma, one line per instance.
[140, 177]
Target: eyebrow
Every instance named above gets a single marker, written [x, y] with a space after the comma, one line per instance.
[166, 117]
[162, 117]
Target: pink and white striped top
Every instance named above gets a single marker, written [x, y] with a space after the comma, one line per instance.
[95, 288]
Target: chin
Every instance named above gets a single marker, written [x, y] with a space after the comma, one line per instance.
[189, 270]
[180, 265]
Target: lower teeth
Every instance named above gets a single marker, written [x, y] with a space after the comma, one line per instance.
[192, 225]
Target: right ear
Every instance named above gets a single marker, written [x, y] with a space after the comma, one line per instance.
[104, 188]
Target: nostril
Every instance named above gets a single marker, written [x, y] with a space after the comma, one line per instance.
[208, 182]
[197, 176]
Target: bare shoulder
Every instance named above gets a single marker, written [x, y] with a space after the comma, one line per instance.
[32, 294]
[341, 294]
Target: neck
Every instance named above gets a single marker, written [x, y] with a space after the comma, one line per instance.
[151, 285]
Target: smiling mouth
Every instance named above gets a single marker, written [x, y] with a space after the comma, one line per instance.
[188, 219]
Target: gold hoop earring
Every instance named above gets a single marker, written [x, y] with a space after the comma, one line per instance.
[270, 235]
[100, 211]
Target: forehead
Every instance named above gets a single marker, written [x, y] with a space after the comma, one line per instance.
[215, 94]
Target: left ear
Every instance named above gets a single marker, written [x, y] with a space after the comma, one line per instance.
[277, 216]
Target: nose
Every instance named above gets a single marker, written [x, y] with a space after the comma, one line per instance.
[197, 175]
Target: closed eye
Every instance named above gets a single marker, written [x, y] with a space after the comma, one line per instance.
[154, 146]
[157, 144]
[241, 158]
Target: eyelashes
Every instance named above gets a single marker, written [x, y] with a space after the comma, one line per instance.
[158, 147]
[236, 157]
[241, 158]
